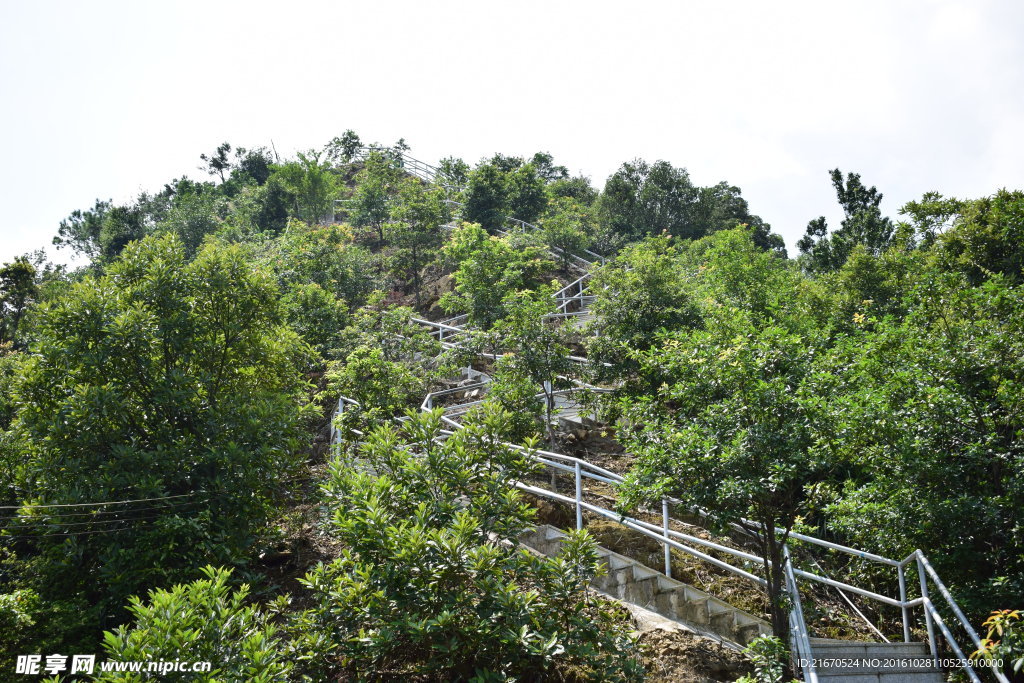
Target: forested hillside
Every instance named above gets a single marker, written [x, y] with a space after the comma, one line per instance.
[175, 484]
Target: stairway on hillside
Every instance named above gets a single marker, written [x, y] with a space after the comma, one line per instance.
[630, 581]
[646, 588]
[844, 661]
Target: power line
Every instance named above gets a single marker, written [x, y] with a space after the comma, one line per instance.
[64, 524]
[48, 515]
[108, 502]
[68, 534]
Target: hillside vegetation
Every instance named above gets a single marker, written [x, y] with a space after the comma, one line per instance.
[166, 486]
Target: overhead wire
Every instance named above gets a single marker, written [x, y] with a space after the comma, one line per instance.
[68, 534]
[107, 502]
[96, 513]
[47, 520]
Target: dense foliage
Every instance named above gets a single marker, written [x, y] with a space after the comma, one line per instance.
[164, 408]
[878, 402]
[164, 381]
[431, 582]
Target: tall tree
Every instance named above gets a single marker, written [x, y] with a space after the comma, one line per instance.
[646, 199]
[173, 378]
[534, 346]
[17, 291]
[344, 148]
[725, 411]
[415, 231]
[81, 230]
[864, 224]
[488, 270]
[375, 185]
[314, 185]
[484, 197]
[219, 162]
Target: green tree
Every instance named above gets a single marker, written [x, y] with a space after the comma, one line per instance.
[503, 187]
[864, 224]
[18, 291]
[488, 270]
[484, 197]
[987, 238]
[546, 169]
[724, 408]
[525, 196]
[81, 230]
[577, 188]
[639, 293]
[102, 232]
[202, 621]
[415, 230]
[730, 431]
[170, 378]
[567, 226]
[326, 256]
[643, 199]
[313, 183]
[218, 162]
[252, 166]
[193, 215]
[387, 363]
[431, 583]
[344, 148]
[534, 346]
[722, 207]
[452, 173]
[925, 400]
[375, 184]
[316, 314]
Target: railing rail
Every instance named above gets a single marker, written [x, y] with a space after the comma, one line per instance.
[800, 637]
[582, 470]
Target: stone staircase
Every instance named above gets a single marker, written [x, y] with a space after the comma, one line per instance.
[843, 661]
[569, 412]
[632, 582]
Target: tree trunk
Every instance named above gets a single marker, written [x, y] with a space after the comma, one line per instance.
[549, 404]
[775, 573]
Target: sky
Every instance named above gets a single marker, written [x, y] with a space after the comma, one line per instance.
[107, 99]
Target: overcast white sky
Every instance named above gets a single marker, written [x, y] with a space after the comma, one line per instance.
[105, 99]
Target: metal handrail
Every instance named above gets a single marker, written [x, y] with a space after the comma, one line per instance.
[672, 539]
[669, 538]
[800, 637]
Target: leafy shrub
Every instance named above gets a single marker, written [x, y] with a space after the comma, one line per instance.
[162, 378]
[202, 621]
[431, 583]
[768, 654]
[1004, 640]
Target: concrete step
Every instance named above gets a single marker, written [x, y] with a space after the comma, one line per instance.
[871, 662]
[850, 648]
[630, 581]
[894, 677]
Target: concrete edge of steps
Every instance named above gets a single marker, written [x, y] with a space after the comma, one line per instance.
[842, 661]
[630, 581]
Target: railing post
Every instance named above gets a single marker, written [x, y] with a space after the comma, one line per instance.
[579, 497]
[664, 526]
[927, 612]
[903, 598]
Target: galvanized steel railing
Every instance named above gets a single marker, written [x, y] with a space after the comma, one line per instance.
[582, 470]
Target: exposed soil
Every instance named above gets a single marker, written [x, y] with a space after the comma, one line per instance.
[688, 658]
